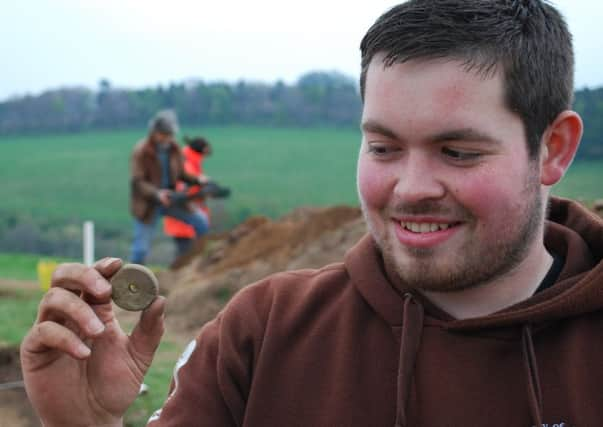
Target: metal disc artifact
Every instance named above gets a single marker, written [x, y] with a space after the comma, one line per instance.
[134, 287]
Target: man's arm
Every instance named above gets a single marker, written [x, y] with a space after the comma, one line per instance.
[138, 179]
[213, 377]
[195, 394]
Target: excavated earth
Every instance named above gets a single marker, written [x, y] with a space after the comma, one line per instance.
[217, 268]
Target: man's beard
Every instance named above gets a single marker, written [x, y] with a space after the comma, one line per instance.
[476, 262]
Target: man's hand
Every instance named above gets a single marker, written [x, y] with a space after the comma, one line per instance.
[203, 179]
[164, 197]
[79, 367]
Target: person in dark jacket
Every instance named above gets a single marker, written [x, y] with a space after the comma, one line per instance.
[476, 298]
[156, 166]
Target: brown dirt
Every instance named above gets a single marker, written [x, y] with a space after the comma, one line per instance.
[305, 238]
[10, 286]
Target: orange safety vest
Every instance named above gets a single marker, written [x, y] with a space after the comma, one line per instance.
[193, 165]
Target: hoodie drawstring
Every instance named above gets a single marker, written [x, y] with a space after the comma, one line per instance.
[534, 390]
[412, 328]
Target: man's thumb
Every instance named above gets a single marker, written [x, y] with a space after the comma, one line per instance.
[147, 334]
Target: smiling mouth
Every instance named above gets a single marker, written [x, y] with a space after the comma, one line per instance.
[425, 227]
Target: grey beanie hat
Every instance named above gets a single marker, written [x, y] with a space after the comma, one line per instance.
[165, 121]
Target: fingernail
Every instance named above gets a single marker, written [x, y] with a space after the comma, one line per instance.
[95, 326]
[82, 350]
[108, 262]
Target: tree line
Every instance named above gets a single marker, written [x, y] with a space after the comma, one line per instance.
[317, 98]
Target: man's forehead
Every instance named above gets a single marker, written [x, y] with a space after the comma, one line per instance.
[447, 82]
[435, 100]
[472, 67]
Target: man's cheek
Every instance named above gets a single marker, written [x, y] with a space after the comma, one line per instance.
[373, 187]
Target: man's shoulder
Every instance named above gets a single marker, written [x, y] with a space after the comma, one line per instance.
[292, 290]
[301, 283]
[140, 146]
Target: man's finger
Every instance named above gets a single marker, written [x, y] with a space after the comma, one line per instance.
[47, 336]
[80, 278]
[107, 267]
[60, 304]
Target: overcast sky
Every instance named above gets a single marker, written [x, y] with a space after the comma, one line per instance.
[135, 43]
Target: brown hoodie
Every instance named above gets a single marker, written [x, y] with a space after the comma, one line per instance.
[341, 347]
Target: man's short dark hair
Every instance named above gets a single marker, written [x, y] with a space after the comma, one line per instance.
[528, 40]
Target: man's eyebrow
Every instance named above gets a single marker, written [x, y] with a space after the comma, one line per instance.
[463, 134]
[375, 127]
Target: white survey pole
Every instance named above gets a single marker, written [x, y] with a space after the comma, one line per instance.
[88, 243]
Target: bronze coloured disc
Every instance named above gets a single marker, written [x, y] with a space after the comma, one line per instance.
[134, 287]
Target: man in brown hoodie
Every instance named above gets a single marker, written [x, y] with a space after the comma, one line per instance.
[475, 300]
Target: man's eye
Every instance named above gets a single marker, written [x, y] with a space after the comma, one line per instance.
[381, 149]
[460, 155]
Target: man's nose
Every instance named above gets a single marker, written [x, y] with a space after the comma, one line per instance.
[418, 179]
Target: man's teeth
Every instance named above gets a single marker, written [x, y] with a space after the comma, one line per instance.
[424, 227]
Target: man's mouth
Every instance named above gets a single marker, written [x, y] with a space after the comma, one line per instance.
[425, 227]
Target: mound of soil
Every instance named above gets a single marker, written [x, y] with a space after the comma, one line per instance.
[305, 238]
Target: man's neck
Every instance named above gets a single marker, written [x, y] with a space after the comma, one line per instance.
[512, 288]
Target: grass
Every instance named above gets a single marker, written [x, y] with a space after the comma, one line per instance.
[582, 181]
[85, 176]
[18, 310]
[18, 266]
[157, 379]
[22, 266]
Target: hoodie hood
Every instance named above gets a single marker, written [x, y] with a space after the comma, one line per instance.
[572, 231]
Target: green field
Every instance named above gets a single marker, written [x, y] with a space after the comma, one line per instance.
[582, 181]
[85, 176]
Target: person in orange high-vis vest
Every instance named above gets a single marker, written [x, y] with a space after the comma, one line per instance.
[195, 151]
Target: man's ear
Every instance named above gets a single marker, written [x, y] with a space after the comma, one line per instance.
[559, 145]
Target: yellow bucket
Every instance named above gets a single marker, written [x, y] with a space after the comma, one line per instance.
[45, 269]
